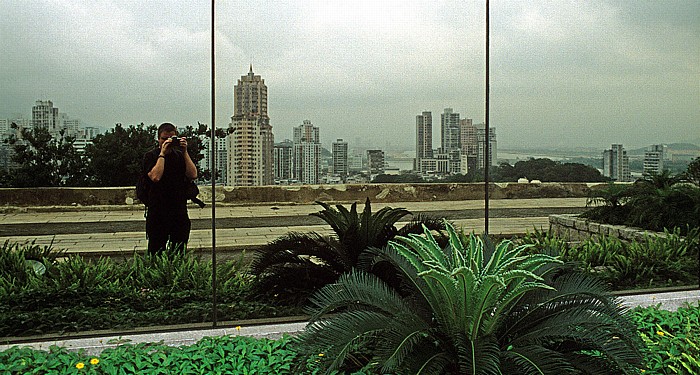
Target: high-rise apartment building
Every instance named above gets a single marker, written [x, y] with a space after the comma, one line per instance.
[424, 139]
[307, 153]
[45, 115]
[220, 165]
[283, 155]
[340, 158]
[250, 142]
[616, 164]
[469, 145]
[356, 162]
[375, 161]
[654, 159]
[481, 140]
[449, 131]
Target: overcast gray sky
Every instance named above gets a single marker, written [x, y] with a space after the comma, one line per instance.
[563, 73]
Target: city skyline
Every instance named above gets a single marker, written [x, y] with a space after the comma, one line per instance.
[563, 73]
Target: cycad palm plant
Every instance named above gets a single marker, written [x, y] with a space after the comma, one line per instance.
[472, 308]
[295, 265]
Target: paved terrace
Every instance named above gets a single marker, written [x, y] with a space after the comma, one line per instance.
[101, 230]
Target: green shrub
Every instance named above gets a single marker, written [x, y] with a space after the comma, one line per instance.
[658, 261]
[74, 294]
[472, 308]
[656, 202]
[672, 339]
[293, 266]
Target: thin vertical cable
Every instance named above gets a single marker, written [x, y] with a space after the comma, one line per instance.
[212, 146]
[487, 136]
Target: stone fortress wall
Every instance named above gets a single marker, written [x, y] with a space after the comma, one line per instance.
[301, 194]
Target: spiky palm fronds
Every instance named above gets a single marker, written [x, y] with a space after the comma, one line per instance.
[360, 231]
[473, 308]
[295, 265]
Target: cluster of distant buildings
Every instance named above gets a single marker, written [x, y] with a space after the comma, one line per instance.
[44, 115]
[462, 145]
[248, 155]
[616, 162]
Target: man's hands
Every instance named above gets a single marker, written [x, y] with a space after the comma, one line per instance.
[167, 146]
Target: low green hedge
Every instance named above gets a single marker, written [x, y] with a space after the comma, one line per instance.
[42, 293]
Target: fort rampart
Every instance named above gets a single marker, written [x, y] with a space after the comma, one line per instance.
[301, 194]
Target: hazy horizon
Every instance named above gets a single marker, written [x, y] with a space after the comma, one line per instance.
[563, 73]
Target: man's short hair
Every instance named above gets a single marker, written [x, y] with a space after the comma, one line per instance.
[166, 127]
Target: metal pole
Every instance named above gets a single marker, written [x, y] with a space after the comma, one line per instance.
[487, 150]
[212, 146]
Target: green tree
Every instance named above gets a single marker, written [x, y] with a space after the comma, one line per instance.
[116, 157]
[405, 178]
[472, 308]
[547, 170]
[692, 174]
[45, 161]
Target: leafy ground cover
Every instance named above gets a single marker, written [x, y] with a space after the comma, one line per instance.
[671, 339]
[40, 293]
[666, 261]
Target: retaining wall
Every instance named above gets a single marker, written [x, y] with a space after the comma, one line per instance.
[574, 228]
[302, 194]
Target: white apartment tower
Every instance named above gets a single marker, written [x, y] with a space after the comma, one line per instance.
[654, 159]
[481, 146]
[220, 168]
[449, 131]
[307, 154]
[340, 158]
[283, 155]
[250, 142]
[616, 164]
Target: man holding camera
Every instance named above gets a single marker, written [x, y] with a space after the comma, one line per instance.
[170, 169]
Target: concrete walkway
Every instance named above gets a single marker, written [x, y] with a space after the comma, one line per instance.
[113, 230]
[95, 345]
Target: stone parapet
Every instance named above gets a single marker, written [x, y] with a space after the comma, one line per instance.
[301, 194]
[575, 228]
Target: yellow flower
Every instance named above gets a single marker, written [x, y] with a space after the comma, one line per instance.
[94, 361]
[320, 354]
[79, 365]
[660, 333]
[238, 328]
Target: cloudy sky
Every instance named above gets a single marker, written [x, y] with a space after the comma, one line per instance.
[563, 73]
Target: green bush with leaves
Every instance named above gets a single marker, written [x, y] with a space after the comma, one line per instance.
[672, 339]
[657, 261]
[293, 266]
[656, 202]
[472, 308]
[217, 355]
[74, 294]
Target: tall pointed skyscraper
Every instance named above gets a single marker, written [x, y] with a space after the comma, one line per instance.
[250, 142]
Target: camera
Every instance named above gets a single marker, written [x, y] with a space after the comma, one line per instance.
[175, 141]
